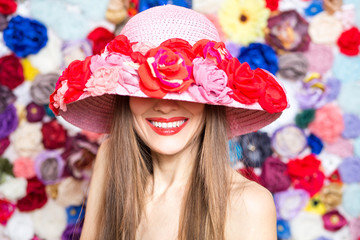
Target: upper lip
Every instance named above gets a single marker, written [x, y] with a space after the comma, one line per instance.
[173, 119]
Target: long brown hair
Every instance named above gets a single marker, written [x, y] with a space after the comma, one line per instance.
[204, 206]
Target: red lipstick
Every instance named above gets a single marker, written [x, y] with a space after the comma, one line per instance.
[167, 131]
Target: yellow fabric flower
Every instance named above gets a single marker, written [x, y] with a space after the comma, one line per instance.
[29, 71]
[315, 205]
[243, 21]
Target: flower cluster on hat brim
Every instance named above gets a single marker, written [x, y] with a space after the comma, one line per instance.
[204, 73]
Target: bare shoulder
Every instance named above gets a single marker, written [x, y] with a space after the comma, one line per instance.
[251, 211]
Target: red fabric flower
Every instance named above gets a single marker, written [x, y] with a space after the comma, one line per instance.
[11, 71]
[349, 42]
[214, 51]
[166, 70]
[120, 44]
[54, 135]
[100, 37]
[247, 88]
[7, 7]
[249, 174]
[4, 143]
[35, 198]
[274, 98]
[272, 4]
[181, 46]
[305, 174]
[6, 211]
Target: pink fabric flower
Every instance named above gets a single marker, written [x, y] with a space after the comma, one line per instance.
[59, 100]
[104, 80]
[142, 47]
[24, 167]
[342, 148]
[211, 83]
[328, 123]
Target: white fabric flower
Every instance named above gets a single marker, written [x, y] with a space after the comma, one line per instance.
[70, 192]
[49, 221]
[20, 227]
[307, 226]
[27, 139]
[325, 28]
[207, 6]
[329, 162]
[13, 188]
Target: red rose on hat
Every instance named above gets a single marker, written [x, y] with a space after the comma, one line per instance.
[166, 70]
[349, 42]
[35, 196]
[11, 71]
[7, 7]
[100, 37]
[214, 51]
[120, 44]
[54, 135]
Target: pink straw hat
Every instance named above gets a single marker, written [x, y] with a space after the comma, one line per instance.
[167, 52]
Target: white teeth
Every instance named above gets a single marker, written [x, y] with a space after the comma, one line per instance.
[167, 125]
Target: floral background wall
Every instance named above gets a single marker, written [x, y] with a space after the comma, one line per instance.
[309, 159]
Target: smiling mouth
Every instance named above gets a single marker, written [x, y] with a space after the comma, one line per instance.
[167, 127]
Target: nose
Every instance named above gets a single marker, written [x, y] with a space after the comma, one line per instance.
[166, 106]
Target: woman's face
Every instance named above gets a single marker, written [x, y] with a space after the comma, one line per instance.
[167, 126]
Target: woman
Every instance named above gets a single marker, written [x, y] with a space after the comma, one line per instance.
[170, 96]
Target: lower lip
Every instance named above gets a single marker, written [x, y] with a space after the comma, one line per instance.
[167, 131]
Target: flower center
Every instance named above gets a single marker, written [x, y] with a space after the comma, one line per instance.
[243, 18]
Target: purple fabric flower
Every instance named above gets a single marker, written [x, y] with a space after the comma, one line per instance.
[6, 97]
[334, 221]
[4, 143]
[72, 231]
[290, 203]
[273, 175]
[3, 22]
[289, 141]
[312, 94]
[8, 121]
[288, 32]
[49, 166]
[293, 66]
[333, 86]
[34, 112]
[349, 170]
[352, 126]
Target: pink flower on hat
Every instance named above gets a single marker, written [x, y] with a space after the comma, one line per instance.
[166, 70]
[57, 100]
[104, 80]
[211, 83]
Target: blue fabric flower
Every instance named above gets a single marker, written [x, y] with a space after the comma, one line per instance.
[259, 55]
[333, 86]
[349, 170]
[315, 144]
[25, 36]
[352, 126]
[49, 112]
[357, 147]
[146, 4]
[74, 214]
[344, 68]
[235, 151]
[283, 229]
[314, 8]
[351, 200]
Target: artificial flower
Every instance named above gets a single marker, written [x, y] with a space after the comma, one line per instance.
[103, 80]
[4, 143]
[314, 8]
[351, 200]
[235, 150]
[52, 190]
[120, 44]
[24, 167]
[288, 31]
[315, 144]
[293, 66]
[283, 229]
[49, 166]
[7, 7]
[212, 51]
[13, 188]
[8, 121]
[357, 147]
[49, 221]
[259, 55]
[347, 100]
[146, 4]
[167, 69]
[290, 203]
[304, 118]
[6, 168]
[30, 72]
[315, 205]
[349, 170]
[248, 172]
[334, 177]
[331, 195]
[75, 50]
[214, 88]
[333, 87]
[34, 112]
[288, 141]
[272, 4]
[7, 209]
[7, 97]
[325, 28]
[349, 42]
[299, 6]
[333, 220]
[70, 192]
[99, 37]
[72, 231]
[352, 126]
[341, 147]
[25, 36]
[75, 214]
[243, 21]
[312, 94]
[116, 11]
[332, 6]
[54, 135]
[3, 22]
[20, 226]
[305, 174]
[320, 58]
[207, 6]
[329, 162]
[274, 175]
[11, 71]
[328, 123]
[35, 196]
[256, 147]
[344, 67]
[306, 226]
[355, 228]
[27, 139]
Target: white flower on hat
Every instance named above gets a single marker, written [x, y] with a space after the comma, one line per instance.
[13, 188]
[49, 221]
[20, 227]
[70, 192]
[27, 139]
